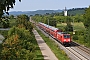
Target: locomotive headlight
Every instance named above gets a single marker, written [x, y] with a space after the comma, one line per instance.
[64, 39]
[68, 39]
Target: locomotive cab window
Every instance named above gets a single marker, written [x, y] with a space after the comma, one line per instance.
[66, 36]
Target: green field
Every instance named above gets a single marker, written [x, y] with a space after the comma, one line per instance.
[77, 26]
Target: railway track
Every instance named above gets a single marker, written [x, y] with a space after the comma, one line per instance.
[87, 50]
[84, 49]
[77, 54]
[75, 50]
[81, 49]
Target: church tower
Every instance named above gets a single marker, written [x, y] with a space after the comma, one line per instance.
[65, 12]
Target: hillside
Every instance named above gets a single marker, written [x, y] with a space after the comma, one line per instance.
[34, 12]
[73, 11]
[76, 11]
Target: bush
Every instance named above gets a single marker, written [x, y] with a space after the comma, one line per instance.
[81, 32]
[75, 37]
[4, 33]
[69, 28]
[18, 45]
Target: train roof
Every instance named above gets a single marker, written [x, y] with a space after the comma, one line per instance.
[48, 26]
[53, 28]
[62, 32]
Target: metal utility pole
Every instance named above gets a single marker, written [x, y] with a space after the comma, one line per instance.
[73, 24]
[73, 27]
[48, 23]
[48, 26]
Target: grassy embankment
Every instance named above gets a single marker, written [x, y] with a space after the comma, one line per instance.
[60, 54]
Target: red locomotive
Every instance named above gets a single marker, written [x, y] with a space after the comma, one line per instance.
[63, 37]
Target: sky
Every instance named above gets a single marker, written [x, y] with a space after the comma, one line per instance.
[33, 5]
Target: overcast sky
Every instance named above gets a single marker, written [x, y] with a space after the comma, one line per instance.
[32, 5]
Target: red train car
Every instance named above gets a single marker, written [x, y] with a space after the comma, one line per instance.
[53, 31]
[63, 37]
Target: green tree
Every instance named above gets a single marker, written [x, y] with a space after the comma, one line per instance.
[5, 6]
[5, 23]
[87, 25]
[23, 21]
[69, 26]
[11, 16]
[18, 45]
[87, 17]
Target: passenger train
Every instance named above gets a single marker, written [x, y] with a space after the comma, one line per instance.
[63, 37]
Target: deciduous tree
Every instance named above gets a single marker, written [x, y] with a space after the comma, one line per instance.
[5, 6]
[87, 17]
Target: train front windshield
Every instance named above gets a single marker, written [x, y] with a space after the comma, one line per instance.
[66, 36]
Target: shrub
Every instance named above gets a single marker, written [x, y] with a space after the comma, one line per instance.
[69, 28]
[81, 32]
[75, 37]
[18, 45]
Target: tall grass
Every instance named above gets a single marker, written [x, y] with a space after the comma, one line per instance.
[79, 26]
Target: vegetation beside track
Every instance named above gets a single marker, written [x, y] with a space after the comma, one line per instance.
[19, 42]
[38, 54]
